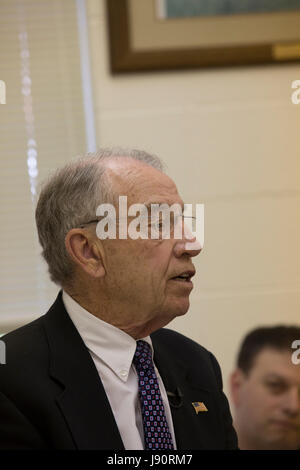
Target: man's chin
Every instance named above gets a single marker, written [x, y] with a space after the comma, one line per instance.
[180, 308]
[282, 444]
[280, 439]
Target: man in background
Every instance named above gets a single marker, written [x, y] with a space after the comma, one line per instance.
[265, 390]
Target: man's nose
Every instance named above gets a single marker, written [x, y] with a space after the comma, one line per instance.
[188, 243]
[190, 246]
[291, 403]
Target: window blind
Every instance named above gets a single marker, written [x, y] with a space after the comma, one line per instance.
[42, 125]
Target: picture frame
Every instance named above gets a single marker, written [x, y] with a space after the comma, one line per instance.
[139, 41]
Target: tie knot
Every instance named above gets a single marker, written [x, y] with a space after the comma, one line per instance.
[143, 355]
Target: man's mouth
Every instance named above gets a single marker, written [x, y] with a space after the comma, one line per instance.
[185, 276]
[285, 424]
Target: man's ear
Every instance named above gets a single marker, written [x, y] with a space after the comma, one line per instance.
[237, 380]
[85, 252]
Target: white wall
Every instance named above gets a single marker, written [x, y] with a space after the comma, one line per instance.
[231, 139]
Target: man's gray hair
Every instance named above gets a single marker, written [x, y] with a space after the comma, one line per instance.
[70, 197]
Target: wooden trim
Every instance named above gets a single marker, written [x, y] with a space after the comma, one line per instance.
[123, 59]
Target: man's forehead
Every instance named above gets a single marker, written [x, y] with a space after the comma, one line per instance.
[273, 362]
[125, 169]
[142, 183]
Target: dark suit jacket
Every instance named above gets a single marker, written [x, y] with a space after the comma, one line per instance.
[51, 396]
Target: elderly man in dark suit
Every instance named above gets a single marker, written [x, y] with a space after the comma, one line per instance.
[98, 370]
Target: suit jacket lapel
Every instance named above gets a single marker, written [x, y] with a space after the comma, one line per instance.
[83, 402]
[192, 430]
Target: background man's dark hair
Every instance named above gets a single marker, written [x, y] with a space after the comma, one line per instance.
[279, 337]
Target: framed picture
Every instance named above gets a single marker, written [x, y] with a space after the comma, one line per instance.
[176, 34]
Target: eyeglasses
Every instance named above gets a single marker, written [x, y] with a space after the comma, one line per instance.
[157, 224]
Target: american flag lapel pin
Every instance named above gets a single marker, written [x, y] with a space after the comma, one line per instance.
[199, 406]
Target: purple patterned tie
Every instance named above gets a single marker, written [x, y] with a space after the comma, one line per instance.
[156, 429]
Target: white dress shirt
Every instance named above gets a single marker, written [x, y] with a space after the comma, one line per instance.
[112, 351]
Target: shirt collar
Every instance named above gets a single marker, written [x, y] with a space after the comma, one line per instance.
[110, 344]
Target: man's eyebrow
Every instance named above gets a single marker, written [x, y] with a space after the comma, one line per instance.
[274, 375]
[149, 204]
